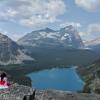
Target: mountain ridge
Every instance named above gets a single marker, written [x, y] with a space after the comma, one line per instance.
[10, 52]
[66, 37]
[93, 42]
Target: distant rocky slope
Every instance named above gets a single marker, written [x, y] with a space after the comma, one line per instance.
[94, 44]
[91, 76]
[10, 52]
[65, 37]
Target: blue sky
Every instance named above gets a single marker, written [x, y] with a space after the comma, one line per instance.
[18, 17]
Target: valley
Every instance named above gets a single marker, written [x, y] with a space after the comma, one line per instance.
[49, 49]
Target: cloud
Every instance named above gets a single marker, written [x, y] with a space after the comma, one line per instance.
[94, 28]
[92, 32]
[82, 33]
[89, 5]
[32, 13]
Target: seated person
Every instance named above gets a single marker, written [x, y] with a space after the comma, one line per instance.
[3, 81]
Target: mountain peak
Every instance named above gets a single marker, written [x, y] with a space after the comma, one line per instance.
[47, 30]
[69, 27]
[2, 35]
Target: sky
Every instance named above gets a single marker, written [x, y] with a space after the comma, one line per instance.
[19, 17]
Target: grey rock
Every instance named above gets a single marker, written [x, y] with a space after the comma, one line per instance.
[10, 52]
[21, 92]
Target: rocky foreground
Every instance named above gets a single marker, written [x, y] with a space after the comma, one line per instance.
[21, 92]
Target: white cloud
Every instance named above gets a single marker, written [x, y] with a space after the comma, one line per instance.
[82, 34]
[94, 28]
[32, 13]
[89, 5]
[92, 32]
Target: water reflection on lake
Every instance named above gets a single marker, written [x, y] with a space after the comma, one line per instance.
[61, 79]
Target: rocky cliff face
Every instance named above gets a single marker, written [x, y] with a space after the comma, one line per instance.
[91, 76]
[65, 37]
[20, 92]
[10, 52]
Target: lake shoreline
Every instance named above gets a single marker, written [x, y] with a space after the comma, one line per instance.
[74, 68]
[21, 75]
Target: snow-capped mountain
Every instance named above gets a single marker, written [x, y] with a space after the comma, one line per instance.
[10, 52]
[65, 37]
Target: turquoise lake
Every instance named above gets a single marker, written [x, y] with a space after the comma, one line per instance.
[61, 79]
